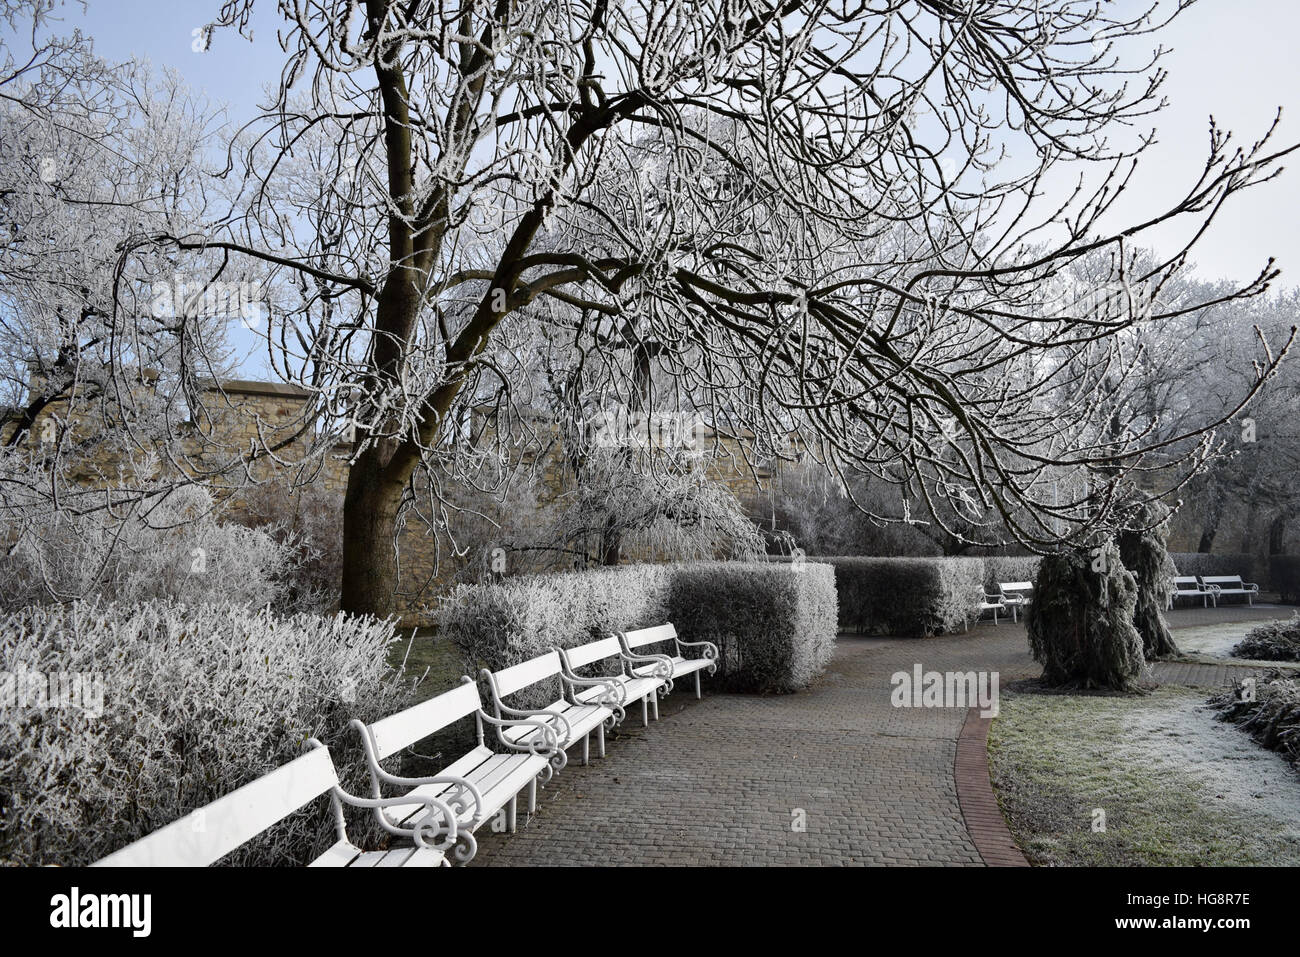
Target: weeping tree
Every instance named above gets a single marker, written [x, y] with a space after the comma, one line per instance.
[1142, 549]
[1080, 622]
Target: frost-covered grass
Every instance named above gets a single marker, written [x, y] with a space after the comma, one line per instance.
[1212, 641]
[1177, 787]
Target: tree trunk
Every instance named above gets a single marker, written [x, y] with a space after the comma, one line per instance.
[1210, 528]
[1248, 530]
[369, 526]
[1277, 533]
[611, 542]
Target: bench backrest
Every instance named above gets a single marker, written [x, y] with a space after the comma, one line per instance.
[1016, 586]
[1234, 580]
[205, 836]
[509, 680]
[593, 651]
[1183, 581]
[648, 636]
[417, 722]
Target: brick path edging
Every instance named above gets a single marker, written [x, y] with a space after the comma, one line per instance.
[979, 807]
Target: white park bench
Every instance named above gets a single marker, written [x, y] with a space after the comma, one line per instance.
[1015, 595]
[987, 602]
[631, 687]
[475, 786]
[679, 664]
[1230, 585]
[568, 716]
[205, 836]
[1188, 586]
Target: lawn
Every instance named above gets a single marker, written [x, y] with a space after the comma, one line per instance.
[437, 662]
[1177, 787]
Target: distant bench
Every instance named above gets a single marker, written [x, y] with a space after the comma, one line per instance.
[1189, 586]
[1231, 585]
[1210, 588]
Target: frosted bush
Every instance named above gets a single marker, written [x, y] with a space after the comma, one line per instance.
[174, 548]
[907, 597]
[774, 624]
[196, 701]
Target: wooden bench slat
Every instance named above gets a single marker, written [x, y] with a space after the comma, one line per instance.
[648, 636]
[417, 722]
[581, 719]
[340, 854]
[593, 651]
[509, 680]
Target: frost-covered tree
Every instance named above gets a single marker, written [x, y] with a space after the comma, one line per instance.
[800, 214]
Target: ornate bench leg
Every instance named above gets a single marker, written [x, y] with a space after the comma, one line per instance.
[600, 738]
[586, 749]
[645, 711]
[654, 697]
[697, 688]
[532, 796]
[511, 811]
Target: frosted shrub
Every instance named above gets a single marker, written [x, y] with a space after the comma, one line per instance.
[196, 701]
[907, 597]
[1271, 641]
[774, 624]
[174, 548]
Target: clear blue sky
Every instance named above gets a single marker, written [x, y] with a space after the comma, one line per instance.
[1235, 59]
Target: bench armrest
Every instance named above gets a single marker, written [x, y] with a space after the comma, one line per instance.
[551, 747]
[1251, 585]
[526, 716]
[616, 691]
[462, 794]
[664, 664]
[438, 829]
[710, 649]
[614, 696]
[709, 652]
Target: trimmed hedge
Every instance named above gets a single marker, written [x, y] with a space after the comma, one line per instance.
[907, 597]
[1284, 576]
[774, 627]
[504, 623]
